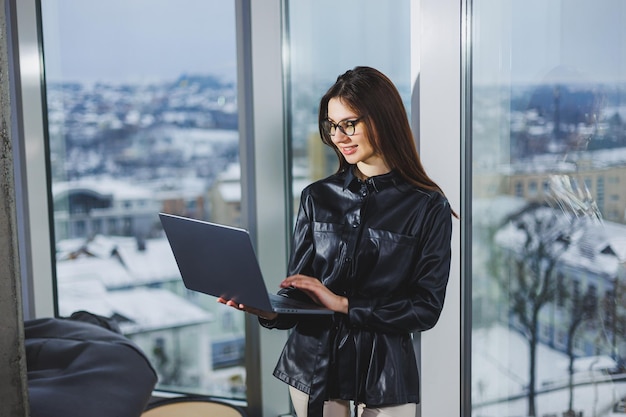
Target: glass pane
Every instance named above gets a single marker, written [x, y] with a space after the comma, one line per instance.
[317, 56]
[142, 118]
[548, 208]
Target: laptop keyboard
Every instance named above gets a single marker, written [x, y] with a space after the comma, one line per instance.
[280, 301]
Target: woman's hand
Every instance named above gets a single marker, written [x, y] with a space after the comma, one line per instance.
[267, 315]
[314, 288]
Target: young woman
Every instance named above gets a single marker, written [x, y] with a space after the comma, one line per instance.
[372, 243]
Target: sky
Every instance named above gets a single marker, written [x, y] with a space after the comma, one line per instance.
[531, 41]
[156, 39]
[514, 41]
[138, 40]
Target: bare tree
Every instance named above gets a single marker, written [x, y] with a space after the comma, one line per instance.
[581, 309]
[614, 318]
[534, 240]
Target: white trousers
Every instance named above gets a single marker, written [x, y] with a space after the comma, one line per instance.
[341, 408]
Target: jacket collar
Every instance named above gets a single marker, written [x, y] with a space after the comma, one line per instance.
[377, 182]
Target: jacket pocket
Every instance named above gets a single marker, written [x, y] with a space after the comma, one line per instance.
[386, 261]
[328, 247]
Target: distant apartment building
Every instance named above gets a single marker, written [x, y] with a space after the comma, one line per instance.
[185, 197]
[225, 194]
[599, 177]
[85, 208]
[225, 197]
[89, 207]
[321, 159]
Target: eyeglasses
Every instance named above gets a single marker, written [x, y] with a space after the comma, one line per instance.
[347, 127]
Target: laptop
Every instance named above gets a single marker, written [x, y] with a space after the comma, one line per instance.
[220, 261]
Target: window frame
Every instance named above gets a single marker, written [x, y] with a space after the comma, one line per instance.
[34, 217]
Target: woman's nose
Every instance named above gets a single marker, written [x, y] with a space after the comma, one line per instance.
[339, 136]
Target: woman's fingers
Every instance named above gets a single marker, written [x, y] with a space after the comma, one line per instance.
[314, 288]
[263, 314]
[230, 303]
[301, 281]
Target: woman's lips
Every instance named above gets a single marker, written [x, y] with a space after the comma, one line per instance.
[348, 150]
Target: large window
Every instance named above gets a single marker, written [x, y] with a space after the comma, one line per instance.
[549, 207]
[317, 56]
[142, 118]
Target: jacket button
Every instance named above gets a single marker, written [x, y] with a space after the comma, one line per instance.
[348, 260]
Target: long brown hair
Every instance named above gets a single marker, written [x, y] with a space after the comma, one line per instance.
[373, 96]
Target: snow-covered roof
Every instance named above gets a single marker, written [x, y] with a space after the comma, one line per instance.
[595, 246]
[117, 262]
[152, 309]
[231, 173]
[195, 142]
[155, 263]
[120, 190]
[185, 187]
[145, 308]
[600, 248]
[230, 191]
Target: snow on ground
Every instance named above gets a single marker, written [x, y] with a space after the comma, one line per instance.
[500, 375]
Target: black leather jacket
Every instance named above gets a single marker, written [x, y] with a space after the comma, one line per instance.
[385, 245]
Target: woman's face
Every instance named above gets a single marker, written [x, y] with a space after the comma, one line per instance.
[356, 149]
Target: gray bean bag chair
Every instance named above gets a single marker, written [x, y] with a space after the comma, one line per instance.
[83, 366]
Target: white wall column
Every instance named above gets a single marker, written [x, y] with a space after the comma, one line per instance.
[440, 147]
